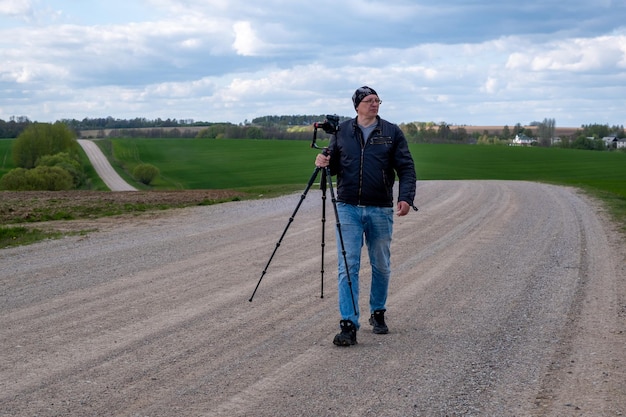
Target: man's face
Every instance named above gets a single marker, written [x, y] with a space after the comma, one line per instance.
[368, 107]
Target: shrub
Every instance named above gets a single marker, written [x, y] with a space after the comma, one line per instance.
[15, 180]
[146, 173]
[65, 161]
[49, 178]
[39, 178]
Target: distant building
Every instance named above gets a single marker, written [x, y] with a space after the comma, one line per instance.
[610, 141]
[523, 140]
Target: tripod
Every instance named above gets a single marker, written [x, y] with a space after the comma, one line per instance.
[325, 183]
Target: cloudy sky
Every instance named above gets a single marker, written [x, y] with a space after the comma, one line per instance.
[474, 62]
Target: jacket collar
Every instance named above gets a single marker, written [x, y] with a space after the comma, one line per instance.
[355, 122]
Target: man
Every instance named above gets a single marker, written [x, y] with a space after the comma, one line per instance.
[366, 153]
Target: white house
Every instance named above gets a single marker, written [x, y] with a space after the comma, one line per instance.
[610, 141]
[523, 140]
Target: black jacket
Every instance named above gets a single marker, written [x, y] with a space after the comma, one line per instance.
[366, 168]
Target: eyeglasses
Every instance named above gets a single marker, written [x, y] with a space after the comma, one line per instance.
[372, 101]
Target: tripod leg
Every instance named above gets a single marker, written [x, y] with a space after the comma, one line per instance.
[323, 188]
[343, 248]
[302, 197]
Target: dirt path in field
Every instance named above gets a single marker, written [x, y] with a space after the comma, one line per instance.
[507, 299]
[103, 167]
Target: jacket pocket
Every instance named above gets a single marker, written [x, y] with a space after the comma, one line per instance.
[381, 140]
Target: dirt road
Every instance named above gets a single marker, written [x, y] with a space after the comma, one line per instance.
[103, 167]
[507, 299]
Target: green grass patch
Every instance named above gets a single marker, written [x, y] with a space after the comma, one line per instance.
[6, 159]
[16, 236]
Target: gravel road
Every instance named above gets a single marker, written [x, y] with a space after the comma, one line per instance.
[103, 167]
[507, 299]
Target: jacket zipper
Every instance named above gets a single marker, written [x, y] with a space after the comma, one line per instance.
[363, 142]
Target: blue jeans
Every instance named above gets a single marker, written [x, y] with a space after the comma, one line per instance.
[375, 224]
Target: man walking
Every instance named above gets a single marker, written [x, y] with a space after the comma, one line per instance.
[366, 153]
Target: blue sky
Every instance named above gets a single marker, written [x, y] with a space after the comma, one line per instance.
[464, 62]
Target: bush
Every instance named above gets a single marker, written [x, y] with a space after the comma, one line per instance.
[65, 161]
[146, 173]
[39, 178]
[15, 180]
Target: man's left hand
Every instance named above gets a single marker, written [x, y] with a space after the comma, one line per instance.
[403, 208]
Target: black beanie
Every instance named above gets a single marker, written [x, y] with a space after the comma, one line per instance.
[361, 93]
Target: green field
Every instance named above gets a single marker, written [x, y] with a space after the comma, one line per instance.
[6, 162]
[196, 164]
[602, 170]
[268, 166]
[208, 164]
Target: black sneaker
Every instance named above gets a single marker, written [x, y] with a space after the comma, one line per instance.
[377, 319]
[347, 337]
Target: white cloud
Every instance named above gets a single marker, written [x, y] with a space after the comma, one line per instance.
[232, 60]
[246, 41]
[15, 7]
[491, 85]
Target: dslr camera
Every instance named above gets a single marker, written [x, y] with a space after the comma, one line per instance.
[329, 125]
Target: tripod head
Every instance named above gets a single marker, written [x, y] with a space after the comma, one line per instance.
[330, 126]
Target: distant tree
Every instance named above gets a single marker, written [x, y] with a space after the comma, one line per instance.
[583, 142]
[596, 131]
[545, 131]
[427, 131]
[254, 133]
[213, 132]
[459, 134]
[41, 139]
[410, 131]
[14, 127]
[444, 131]
[484, 140]
[506, 132]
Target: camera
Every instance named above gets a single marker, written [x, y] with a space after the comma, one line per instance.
[329, 125]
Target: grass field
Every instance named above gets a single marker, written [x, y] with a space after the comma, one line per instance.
[271, 166]
[207, 164]
[190, 164]
[265, 166]
[6, 162]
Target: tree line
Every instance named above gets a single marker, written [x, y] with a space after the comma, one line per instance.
[16, 125]
[299, 127]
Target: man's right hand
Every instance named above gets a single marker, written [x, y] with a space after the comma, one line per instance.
[322, 161]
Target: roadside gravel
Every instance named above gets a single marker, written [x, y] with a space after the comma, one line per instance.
[507, 299]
